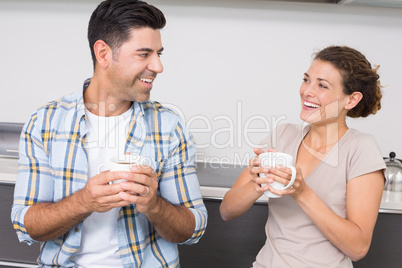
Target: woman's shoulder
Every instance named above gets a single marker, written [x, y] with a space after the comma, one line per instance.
[362, 153]
[282, 133]
[290, 129]
[358, 138]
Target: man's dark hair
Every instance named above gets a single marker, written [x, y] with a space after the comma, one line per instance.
[113, 20]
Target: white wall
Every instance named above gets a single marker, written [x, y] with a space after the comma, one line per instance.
[230, 66]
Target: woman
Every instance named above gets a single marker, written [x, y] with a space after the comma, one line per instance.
[327, 218]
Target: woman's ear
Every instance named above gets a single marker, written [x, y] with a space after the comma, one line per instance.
[354, 99]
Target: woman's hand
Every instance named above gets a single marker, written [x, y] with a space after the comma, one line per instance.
[255, 169]
[283, 175]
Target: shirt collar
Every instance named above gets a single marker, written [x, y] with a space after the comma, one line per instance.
[80, 104]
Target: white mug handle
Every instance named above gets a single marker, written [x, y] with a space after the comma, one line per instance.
[101, 166]
[292, 179]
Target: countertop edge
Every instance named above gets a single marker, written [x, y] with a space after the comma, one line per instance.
[217, 193]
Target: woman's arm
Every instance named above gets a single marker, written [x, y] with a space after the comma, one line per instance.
[245, 191]
[239, 198]
[351, 235]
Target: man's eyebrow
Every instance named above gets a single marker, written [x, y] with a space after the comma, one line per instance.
[145, 49]
[305, 74]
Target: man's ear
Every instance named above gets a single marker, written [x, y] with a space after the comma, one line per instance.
[354, 99]
[103, 53]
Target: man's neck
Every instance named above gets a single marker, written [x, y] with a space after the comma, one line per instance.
[99, 101]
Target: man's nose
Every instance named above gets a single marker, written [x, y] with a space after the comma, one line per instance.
[156, 65]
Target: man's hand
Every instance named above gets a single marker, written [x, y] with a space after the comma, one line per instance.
[99, 195]
[174, 223]
[141, 188]
[48, 221]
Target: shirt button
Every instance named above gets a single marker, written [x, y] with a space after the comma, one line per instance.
[76, 229]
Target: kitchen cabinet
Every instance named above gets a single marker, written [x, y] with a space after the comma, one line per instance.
[386, 245]
[235, 244]
[229, 244]
[11, 250]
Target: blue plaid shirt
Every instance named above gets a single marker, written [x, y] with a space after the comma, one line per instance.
[53, 164]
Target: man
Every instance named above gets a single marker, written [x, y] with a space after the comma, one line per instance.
[79, 215]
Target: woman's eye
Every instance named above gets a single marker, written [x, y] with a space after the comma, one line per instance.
[323, 86]
[305, 80]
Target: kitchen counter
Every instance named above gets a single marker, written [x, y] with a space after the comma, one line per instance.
[8, 169]
[215, 180]
[391, 202]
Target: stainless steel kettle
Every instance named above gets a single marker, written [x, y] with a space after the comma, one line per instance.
[393, 174]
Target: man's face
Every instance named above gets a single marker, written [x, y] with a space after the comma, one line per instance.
[135, 65]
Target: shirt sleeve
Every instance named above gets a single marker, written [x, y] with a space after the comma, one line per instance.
[32, 169]
[366, 157]
[179, 183]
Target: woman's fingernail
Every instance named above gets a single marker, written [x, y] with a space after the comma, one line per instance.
[123, 174]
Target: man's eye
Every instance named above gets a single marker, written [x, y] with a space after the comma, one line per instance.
[160, 54]
[144, 55]
[305, 80]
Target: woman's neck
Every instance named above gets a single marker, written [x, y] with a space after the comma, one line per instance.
[320, 137]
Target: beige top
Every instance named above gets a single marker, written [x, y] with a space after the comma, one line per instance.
[293, 240]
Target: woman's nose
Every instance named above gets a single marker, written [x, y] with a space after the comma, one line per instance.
[309, 90]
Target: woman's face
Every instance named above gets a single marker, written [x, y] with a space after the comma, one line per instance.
[321, 93]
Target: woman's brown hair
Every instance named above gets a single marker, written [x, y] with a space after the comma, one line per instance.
[358, 75]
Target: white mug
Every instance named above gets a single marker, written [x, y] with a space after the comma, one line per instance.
[273, 159]
[124, 163]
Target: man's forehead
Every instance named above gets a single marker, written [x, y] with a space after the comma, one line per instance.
[145, 34]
